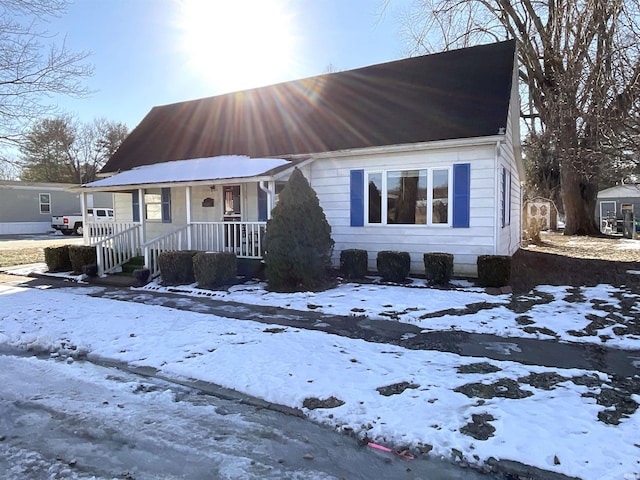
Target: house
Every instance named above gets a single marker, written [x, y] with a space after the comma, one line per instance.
[614, 202]
[27, 207]
[418, 155]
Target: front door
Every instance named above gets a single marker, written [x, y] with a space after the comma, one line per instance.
[608, 216]
[232, 208]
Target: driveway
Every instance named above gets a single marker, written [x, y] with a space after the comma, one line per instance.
[86, 421]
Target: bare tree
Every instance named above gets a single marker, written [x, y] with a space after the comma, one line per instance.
[33, 68]
[62, 149]
[580, 69]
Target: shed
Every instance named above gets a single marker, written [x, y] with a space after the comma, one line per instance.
[613, 202]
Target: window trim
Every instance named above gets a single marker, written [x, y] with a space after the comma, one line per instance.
[41, 203]
[384, 198]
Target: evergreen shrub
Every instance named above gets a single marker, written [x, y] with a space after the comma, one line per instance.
[81, 255]
[354, 263]
[494, 270]
[176, 267]
[438, 267]
[297, 240]
[213, 269]
[57, 258]
[393, 266]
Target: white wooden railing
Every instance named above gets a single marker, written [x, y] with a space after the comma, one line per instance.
[172, 241]
[117, 242]
[97, 231]
[117, 249]
[242, 238]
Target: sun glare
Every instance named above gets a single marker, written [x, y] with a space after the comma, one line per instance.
[238, 44]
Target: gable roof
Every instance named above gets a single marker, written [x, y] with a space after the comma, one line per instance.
[456, 94]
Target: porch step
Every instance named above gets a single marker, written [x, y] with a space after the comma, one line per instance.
[135, 263]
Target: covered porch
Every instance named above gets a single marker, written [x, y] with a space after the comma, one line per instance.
[212, 212]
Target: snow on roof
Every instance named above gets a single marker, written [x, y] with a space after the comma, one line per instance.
[626, 190]
[198, 169]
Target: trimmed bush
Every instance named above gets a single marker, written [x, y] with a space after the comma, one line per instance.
[176, 268]
[297, 240]
[438, 267]
[81, 255]
[214, 269]
[142, 276]
[354, 263]
[393, 266]
[57, 258]
[494, 270]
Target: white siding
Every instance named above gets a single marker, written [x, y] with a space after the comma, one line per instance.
[123, 207]
[205, 214]
[510, 236]
[330, 179]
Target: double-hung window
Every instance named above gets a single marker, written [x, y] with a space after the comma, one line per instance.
[45, 203]
[409, 197]
[157, 204]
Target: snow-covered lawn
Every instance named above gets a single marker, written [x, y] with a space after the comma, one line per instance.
[459, 407]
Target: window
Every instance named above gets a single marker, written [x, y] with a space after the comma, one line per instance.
[505, 197]
[157, 204]
[409, 197]
[440, 197]
[152, 204]
[45, 203]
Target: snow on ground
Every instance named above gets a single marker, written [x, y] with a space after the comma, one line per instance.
[395, 396]
[563, 313]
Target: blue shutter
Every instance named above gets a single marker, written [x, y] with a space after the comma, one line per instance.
[166, 205]
[262, 205]
[135, 205]
[461, 194]
[357, 198]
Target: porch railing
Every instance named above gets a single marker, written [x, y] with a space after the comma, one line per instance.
[242, 238]
[98, 231]
[117, 249]
[172, 241]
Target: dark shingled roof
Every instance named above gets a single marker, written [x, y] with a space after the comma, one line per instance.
[457, 94]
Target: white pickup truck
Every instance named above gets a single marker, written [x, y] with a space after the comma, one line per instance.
[69, 224]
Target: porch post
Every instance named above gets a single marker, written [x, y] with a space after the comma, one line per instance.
[271, 198]
[141, 214]
[83, 209]
[188, 203]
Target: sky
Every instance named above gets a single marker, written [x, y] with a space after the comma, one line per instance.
[553, 426]
[155, 52]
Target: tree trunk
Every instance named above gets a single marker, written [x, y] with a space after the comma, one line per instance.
[579, 196]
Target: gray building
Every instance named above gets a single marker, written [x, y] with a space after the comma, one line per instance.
[28, 207]
[613, 202]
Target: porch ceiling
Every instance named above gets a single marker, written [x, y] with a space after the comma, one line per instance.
[194, 170]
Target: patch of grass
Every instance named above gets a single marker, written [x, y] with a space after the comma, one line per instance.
[21, 256]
